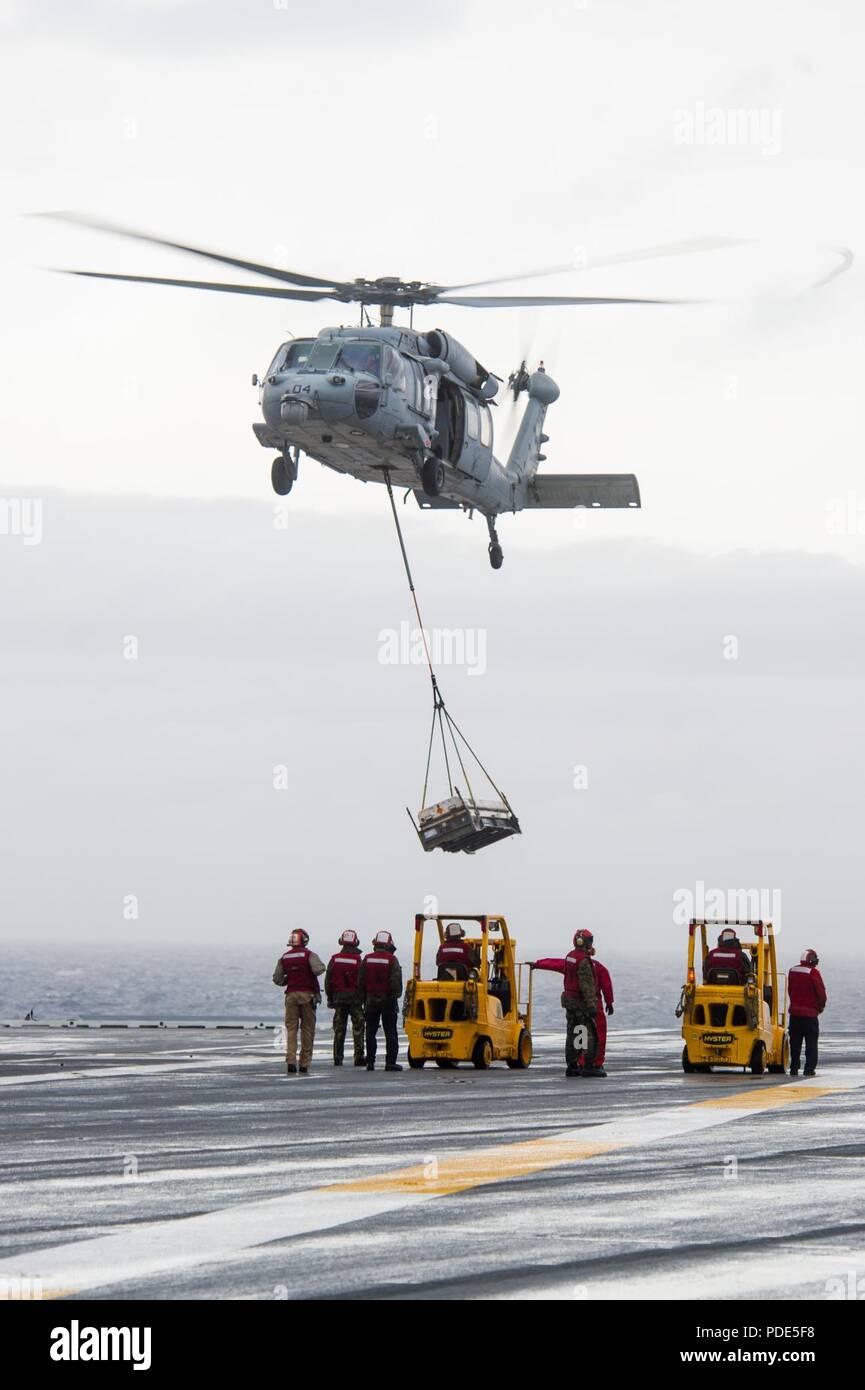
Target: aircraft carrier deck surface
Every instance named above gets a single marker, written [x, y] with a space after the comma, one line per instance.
[171, 1163]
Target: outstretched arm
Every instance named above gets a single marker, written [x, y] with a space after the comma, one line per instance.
[548, 963]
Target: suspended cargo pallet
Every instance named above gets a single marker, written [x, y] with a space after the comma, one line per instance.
[463, 824]
[457, 823]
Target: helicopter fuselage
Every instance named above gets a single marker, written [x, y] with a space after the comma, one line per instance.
[366, 401]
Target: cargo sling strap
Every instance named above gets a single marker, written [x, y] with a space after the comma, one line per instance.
[441, 718]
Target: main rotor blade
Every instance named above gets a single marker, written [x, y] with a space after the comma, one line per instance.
[517, 301]
[646, 253]
[293, 277]
[267, 291]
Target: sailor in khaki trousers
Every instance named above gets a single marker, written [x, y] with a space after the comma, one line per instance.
[297, 970]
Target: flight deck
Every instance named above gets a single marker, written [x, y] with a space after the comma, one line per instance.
[181, 1162]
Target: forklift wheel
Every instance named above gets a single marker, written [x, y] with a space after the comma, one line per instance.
[758, 1059]
[445, 1063]
[524, 1052]
[687, 1064]
[416, 1062]
[482, 1057]
[781, 1068]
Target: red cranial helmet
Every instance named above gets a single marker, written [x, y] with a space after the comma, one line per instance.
[383, 939]
[454, 932]
[348, 938]
[298, 937]
[810, 957]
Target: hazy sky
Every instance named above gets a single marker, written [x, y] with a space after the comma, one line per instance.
[259, 648]
[443, 142]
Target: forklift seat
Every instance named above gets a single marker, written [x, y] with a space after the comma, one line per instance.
[452, 972]
[723, 975]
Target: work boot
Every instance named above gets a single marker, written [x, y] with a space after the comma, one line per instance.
[360, 1061]
[573, 1071]
[393, 1066]
[290, 1069]
[809, 1073]
[594, 1071]
[337, 1061]
[304, 1071]
[370, 1066]
[794, 1071]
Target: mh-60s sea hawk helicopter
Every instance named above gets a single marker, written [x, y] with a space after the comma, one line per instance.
[389, 404]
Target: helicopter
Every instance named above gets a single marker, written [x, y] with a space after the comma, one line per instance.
[386, 403]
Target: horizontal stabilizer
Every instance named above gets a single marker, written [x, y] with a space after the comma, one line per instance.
[435, 503]
[583, 490]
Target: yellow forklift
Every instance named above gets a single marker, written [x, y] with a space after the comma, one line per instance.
[726, 1023]
[480, 1019]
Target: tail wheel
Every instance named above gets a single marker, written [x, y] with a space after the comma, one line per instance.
[446, 1063]
[758, 1059]
[482, 1057]
[687, 1064]
[416, 1062]
[525, 1052]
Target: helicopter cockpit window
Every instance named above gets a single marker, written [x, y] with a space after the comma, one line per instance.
[472, 421]
[414, 384]
[291, 356]
[486, 426]
[298, 354]
[394, 369]
[322, 357]
[361, 357]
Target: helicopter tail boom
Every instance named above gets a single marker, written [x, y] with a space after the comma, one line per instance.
[526, 453]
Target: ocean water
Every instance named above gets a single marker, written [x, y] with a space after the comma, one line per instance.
[67, 981]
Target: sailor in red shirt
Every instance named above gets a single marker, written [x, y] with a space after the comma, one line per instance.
[604, 983]
[807, 994]
[580, 1002]
[727, 963]
[297, 971]
[455, 959]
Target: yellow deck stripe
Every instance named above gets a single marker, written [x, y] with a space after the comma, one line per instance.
[459, 1172]
[463, 1171]
[765, 1100]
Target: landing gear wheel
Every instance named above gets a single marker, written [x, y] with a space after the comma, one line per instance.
[281, 477]
[416, 1062]
[433, 477]
[496, 554]
[482, 1057]
[687, 1064]
[758, 1059]
[524, 1052]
